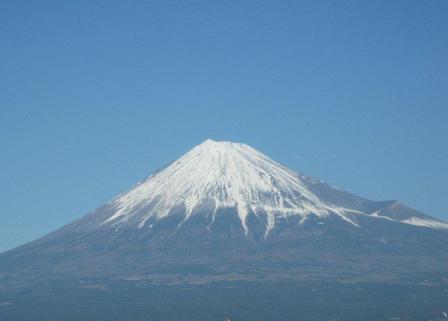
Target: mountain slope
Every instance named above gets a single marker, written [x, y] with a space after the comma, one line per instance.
[225, 211]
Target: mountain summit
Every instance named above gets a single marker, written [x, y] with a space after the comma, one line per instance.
[225, 211]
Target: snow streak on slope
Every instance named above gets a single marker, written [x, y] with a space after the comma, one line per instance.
[426, 223]
[229, 175]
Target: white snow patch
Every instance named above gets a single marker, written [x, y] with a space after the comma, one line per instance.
[426, 223]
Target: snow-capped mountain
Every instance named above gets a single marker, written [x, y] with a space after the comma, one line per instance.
[227, 211]
[220, 175]
[216, 175]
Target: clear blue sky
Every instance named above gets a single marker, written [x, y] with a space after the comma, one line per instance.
[95, 95]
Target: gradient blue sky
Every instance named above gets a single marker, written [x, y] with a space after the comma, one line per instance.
[95, 95]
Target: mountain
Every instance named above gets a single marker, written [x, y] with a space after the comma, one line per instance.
[225, 211]
[227, 232]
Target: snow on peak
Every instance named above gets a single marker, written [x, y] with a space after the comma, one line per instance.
[228, 175]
